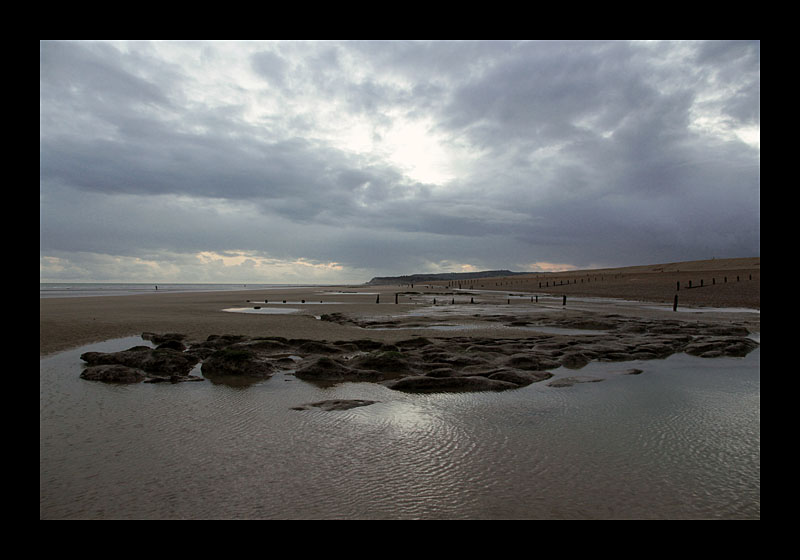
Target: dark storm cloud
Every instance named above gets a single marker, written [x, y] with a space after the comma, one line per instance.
[586, 153]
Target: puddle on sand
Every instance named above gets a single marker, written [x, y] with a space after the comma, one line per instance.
[263, 310]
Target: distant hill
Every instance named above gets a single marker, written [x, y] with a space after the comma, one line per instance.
[742, 263]
[417, 278]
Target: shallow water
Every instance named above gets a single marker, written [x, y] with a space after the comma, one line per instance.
[263, 310]
[679, 441]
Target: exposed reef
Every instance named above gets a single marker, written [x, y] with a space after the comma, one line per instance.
[422, 364]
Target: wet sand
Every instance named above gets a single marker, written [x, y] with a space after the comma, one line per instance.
[358, 312]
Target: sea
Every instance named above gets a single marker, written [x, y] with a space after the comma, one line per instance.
[86, 289]
[681, 440]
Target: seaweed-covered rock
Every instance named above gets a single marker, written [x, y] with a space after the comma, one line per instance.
[159, 361]
[520, 378]
[390, 363]
[314, 347]
[574, 360]
[116, 373]
[714, 347]
[531, 362]
[325, 369]
[113, 373]
[237, 362]
[416, 342]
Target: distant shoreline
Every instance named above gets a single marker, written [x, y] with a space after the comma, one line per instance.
[86, 289]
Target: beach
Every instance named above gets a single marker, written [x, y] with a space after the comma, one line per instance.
[449, 404]
[69, 322]
[726, 284]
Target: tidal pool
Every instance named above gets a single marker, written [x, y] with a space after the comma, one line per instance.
[681, 440]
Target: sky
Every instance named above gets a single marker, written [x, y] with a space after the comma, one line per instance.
[335, 161]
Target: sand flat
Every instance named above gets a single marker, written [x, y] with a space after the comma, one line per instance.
[70, 322]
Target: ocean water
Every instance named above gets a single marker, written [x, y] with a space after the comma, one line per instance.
[51, 289]
[679, 441]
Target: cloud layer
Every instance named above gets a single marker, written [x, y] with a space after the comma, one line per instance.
[335, 162]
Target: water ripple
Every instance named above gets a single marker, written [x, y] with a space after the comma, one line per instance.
[681, 440]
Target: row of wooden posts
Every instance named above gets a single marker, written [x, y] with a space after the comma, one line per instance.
[713, 281]
[512, 282]
[702, 285]
[534, 299]
[588, 279]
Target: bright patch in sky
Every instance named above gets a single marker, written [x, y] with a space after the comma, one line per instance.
[416, 149]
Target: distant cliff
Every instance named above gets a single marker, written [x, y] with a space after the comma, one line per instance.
[418, 278]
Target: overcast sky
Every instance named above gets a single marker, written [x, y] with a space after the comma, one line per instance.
[333, 162]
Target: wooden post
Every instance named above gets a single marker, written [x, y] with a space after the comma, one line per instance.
[675, 303]
[378, 299]
[564, 302]
[395, 298]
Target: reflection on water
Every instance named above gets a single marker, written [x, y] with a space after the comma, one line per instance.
[263, 310]
[681, 440]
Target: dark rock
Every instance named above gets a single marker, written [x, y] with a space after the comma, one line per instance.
[161, 338]
[237, 362]
[326, 369]
[113, 373]
[570, 381]
[574, 360]
[346, 346]
[314, 347]
[417, 342]
[388, 363]
[159, 361]
[267, 345]
[225, 339]
[173, 379]
[533, 362]
[172, 345]
[520, 378]
[442, 372]
[367, 345]
[425, 384]
[335, 404]
[713, 347]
